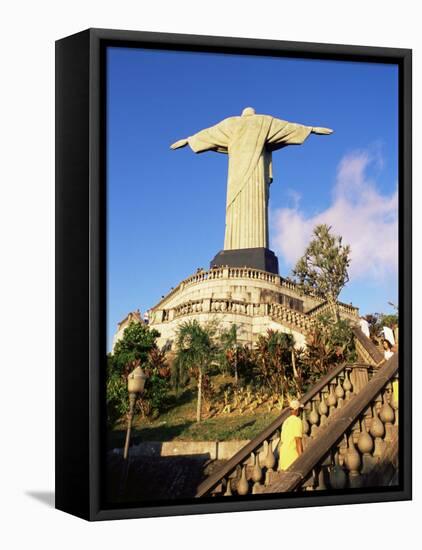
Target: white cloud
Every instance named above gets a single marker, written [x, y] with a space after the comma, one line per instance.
[367, 220]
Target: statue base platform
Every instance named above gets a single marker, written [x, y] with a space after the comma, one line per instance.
[254, 300]
[256, 258]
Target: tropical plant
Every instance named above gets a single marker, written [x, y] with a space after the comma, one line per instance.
[328, 344]
[301, 372]
[246, 364]
[157, 383]
[195, 353]
[229, 351]
[273, 360]
[323, 269]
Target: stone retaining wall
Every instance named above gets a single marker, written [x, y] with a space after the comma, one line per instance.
[215, 450]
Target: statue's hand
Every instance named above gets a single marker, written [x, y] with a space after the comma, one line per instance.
[322, 131]
[178, 144]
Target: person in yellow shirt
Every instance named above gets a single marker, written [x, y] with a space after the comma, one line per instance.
[291, 436]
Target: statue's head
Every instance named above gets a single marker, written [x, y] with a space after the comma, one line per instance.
[248, 111]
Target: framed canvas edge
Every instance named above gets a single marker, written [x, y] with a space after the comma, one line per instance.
[98, 38]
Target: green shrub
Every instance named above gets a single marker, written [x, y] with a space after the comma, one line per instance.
[138, 344]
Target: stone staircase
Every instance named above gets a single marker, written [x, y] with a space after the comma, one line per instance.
[350, 439]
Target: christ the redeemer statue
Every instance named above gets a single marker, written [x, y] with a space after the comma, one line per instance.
[249, 140]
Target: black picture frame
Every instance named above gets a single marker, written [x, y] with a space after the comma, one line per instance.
[81, 264]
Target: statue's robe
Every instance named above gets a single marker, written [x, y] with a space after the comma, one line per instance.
[249, 142]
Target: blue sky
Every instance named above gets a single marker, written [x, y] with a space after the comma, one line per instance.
[166, 208]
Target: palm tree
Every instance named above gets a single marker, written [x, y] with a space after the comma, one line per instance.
[194, 355]
[230, 350]
[289, 340]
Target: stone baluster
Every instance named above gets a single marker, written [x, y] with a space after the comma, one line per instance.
[256, 473]
[353, 463]
[313, 419]
[342, 450]
[356, 431]
[320, 478]
[378, 402]
[331, 399]
[347, 385]
[339, 391]
[337, 476]
[323, 410]
[377, 431]
[365, 446]
[242, 484]
[228, 491]
[269, 462]
[387, 416]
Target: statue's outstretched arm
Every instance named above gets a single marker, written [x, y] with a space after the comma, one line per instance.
[321, 131]
[178, 144]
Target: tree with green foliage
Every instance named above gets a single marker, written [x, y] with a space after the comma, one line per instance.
[323, 269]
[195, 353]
[137, 341]
[116, 393]
[137, 344]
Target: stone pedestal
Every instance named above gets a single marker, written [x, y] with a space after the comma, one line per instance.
[255, 258]
[255, 300]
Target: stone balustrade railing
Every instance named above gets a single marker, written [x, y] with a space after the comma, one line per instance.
[325, 307]
[366, 348]
[252, 468]
[216, 273]
[230, 273]
[357, 447]
[295, 319]
[248, 273]
[216, 305]
[279, 312]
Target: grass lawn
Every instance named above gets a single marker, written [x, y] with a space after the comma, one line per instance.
[178, 422]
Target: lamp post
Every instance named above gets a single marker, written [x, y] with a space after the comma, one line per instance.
[135, 386]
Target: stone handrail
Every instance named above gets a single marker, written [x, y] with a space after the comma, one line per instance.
[331, 389]
[367, 348]
[325, 306]
[361, 438]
